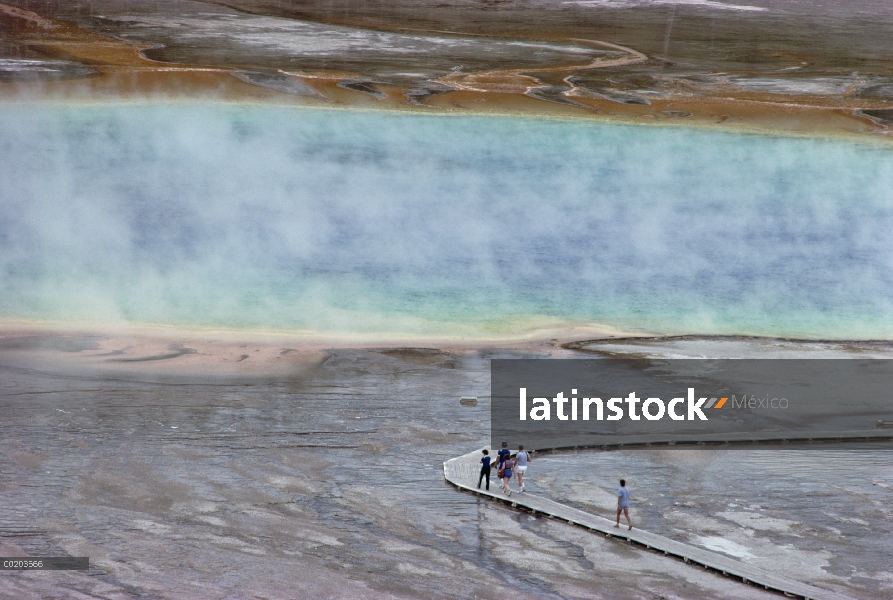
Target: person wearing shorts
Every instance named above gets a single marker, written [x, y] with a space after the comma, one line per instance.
[501, 457]
[623, 503]
[507, 465]
[521, 460]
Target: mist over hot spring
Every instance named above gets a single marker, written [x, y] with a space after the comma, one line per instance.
[213, 215]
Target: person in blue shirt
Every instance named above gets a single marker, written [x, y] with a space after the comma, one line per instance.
[485, 469]
[623, 503]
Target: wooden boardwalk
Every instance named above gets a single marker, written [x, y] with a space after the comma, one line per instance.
[463, 472]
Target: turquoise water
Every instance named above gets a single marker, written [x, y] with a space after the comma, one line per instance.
[337, 221]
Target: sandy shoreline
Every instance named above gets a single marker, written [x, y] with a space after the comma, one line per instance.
[157, 353]
[178, 355]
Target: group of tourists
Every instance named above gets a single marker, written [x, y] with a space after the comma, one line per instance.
[508, 466]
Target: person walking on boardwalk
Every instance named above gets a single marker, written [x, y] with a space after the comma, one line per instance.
[623, 503]
[507, 465]
[501, 457]
[485, 469]
[521, 460]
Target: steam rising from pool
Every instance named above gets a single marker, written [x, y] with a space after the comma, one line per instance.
[351, 222]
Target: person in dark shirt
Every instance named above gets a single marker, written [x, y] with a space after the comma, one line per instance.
[507, 466]
[501, 456]
[485, 469]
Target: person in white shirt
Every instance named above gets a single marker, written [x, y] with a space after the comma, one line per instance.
[521, 460]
